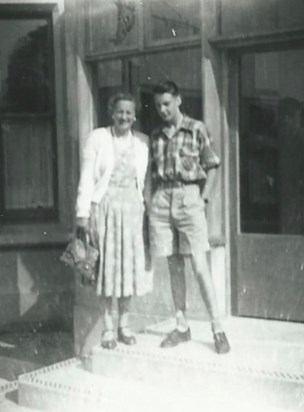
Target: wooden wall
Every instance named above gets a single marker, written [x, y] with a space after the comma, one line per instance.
[255, 16]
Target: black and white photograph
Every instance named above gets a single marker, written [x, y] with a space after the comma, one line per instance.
[152, 205]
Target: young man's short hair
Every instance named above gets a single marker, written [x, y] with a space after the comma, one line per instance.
[167, 86]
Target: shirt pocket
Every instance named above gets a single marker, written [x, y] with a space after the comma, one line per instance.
[189, 163]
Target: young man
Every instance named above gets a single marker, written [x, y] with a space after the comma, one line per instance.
[183, 170]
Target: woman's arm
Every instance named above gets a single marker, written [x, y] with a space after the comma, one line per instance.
[86, 181]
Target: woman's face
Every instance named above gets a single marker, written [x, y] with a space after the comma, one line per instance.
[123, 115]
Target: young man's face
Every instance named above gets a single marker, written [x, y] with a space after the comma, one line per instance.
[167, 106]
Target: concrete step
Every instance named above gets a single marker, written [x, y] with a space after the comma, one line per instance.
[9, 397]
[145, 377]
[187, 369]
[263, 372]
[70, 387]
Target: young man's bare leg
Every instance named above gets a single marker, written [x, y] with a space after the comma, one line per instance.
[202, 272]
[178, 287]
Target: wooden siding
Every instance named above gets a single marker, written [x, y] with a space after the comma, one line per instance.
[256, 16]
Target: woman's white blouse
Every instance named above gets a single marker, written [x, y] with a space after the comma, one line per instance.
[97, 166]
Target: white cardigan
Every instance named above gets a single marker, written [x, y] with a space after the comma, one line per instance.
[97, 167]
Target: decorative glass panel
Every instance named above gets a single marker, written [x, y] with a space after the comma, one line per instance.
[172, 20]
[112, 26]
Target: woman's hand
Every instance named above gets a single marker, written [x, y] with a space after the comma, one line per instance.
[82, 222]
[82, 228]
[93, 225]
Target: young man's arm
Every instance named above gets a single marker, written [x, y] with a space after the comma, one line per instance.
[209, 185]
[210, 163]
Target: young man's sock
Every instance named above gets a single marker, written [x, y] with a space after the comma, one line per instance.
[216, 326]
[181, 322]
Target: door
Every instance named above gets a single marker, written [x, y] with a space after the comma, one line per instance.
[268, 230]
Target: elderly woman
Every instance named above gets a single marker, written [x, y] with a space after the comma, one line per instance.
[113, 186]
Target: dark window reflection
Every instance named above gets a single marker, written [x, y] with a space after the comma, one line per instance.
[272, 142]
[24, 66]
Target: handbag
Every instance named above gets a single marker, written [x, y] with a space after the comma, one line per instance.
[83, 257]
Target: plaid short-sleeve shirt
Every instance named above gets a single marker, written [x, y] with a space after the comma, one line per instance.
[186, 156]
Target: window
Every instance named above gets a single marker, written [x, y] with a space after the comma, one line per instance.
[272, 142]
[28, 160]
[122, 26]
[170, 21]
[138, 74]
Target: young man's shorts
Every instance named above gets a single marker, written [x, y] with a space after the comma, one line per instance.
[178, 221]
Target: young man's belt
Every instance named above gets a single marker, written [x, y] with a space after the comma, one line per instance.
[170, 184]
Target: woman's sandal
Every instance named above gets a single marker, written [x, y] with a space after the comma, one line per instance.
[126, 338]
[106, 342]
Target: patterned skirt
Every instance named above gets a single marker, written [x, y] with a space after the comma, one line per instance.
[118, 223]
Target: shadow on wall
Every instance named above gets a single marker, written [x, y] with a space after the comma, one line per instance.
[36, 291]
[36, 310]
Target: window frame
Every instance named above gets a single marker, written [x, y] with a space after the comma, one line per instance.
[45, 214]
[58, 230]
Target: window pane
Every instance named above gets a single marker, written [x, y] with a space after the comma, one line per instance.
[24, 65]
[272, 142]
[109, 83]
[173, 19]
[28, 178]
[28, 164]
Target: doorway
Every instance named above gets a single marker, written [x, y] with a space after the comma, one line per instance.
[268, 186]
[138, 74]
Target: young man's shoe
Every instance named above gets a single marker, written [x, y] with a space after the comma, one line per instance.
[221, 343]
[175, 338]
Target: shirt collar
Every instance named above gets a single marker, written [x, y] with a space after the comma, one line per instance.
[184, 125]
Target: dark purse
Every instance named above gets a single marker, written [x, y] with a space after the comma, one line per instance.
[81, 256]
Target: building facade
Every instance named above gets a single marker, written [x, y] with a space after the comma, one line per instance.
[239, 65]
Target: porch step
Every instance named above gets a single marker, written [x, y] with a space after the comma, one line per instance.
[189, 377]
[69, 387]
[219, 380]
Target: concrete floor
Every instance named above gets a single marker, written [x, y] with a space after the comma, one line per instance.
[25, 352]
[261, 351]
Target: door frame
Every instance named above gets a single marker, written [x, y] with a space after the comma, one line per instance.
[233, 170]
[230, 50]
